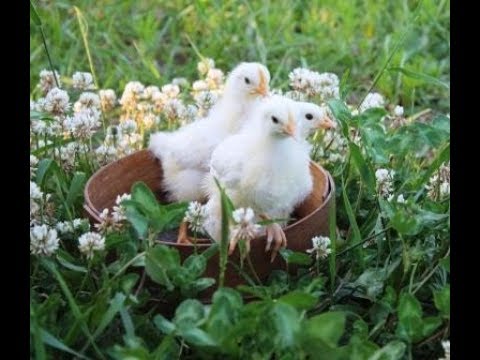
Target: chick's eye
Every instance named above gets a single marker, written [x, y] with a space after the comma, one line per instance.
[247, 80]
[309, 116]
[275, 120]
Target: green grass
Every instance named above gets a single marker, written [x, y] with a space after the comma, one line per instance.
[384, 291]
[152, 41]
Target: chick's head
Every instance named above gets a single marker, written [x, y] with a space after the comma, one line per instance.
[278, 119]
[248, 80]
[311, 117]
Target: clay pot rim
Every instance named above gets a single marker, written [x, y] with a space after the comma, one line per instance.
[329, 190]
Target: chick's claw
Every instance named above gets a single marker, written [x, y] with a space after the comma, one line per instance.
[233, 245]
[275, 234]
[183, 234]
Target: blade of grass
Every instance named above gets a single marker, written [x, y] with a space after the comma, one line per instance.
[38, 22]
[226, 210]
[353, 223]
[127, 322]
[72, 303]
[52, 341]
[366, 172]
[38, 344]
[82, 23]
[115, 306]
[419, 76]
[332, 227]
[397, 46]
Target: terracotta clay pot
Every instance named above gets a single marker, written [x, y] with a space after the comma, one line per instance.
[311, 216]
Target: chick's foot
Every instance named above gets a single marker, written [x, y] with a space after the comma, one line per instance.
[276, 235]
[183, 237]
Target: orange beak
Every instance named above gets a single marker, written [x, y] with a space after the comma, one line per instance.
[262, 88]
[327, 123]
[291, 126]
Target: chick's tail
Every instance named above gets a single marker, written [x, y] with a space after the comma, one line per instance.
[160, 144]
[182, 184]
[213, 223]
[213, 210]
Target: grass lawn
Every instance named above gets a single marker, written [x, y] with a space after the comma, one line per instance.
[379, 287]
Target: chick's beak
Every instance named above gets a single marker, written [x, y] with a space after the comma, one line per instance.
[327, 123]
[262, 88]
[290, 127]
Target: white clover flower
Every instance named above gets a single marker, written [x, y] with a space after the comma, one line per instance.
[444, 189]
[171, 91]
[173, 108]
[384, 181]
[439, 184]
[215, 78]
[205, 65]
[83, 81]
[68, 227]
[64, 227]
[86, 101]
[118, 213]
[133, 141]
[180, 81]
[36, 196]
[43, 241]
[336, 157]
[110, 222]
[108, 99]
[83, 123]
[90, 242]
[205, 99]
[149, 120]
[132, 93]
[244, 228]
[446, 349]
[128, 126]
[372, 100]
[296, 95]
[400, 199]
[159, 100]
[81, 223]
[44, 128]
[47, 81]
[200, 85]
[150, 91]
[300, 78]
[106, 154]
[312, 83]
[327, 85]
[188, 114]
[68, 153]
[398, 111]
[41, 143]
[35, 192]
[336, 147]
[56, 102]
[144, 107]
[321, 247]
[195, 216]
[39, 105]
[33, 164]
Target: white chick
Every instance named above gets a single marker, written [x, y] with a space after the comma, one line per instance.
[185, 153]
[264, 168]
[311, 117]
